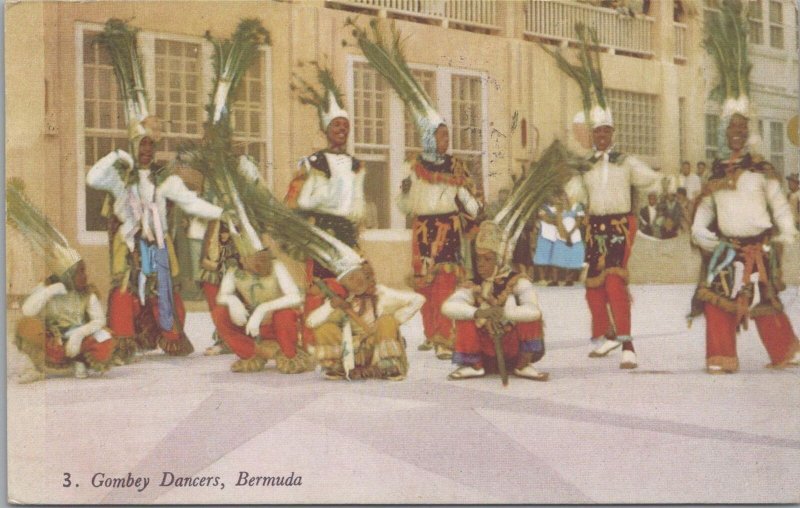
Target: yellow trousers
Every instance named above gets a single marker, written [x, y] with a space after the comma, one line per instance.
[382, 349]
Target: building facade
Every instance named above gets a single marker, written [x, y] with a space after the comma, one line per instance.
[479, 59]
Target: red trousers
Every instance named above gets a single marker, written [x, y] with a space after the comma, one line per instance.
[100, 352]
[438, 328]
[124, 310]
[282, 328]
[210, 290]
[775, 331]
[613, 292]
[471, 340]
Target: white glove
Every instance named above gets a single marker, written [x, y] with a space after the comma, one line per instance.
[126, 158]
[253, 328]
[237, 311]
[705, 239]
[74, 342]
[56, 289]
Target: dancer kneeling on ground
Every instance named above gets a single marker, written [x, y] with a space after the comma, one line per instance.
[501, 302]
[357, 329]
[257, 315]
[64, 327]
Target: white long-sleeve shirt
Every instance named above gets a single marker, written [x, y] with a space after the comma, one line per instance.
[605, 189]
[104, 176]
[341, 194]
[522, 307]
[744, 211]
[402, 304]
[428, 198]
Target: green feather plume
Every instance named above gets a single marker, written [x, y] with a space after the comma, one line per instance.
[386, 54]
[726, 42]
[588, 74]
[119, 39]
[29, 219]
[543, 179]
[232, 58]
[294, 234]
[309, 95]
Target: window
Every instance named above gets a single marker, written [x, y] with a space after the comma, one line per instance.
[635, 121]
[460, 96]
[178, 76]
[179, 98]
[371, 138]
[756, 20]
[776, 154]
[712, 128]
[776, 24]
[104, 123]
[466, 134]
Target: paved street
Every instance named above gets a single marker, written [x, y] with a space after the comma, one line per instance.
[666, 432]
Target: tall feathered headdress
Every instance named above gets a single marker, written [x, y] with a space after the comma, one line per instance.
[589, 76]
[34, 226]
[119, 39]
[385, 54]
[215, 159]
[298, 237]
[232, 58]
[726, 41]
[543, 179]
[328, 101]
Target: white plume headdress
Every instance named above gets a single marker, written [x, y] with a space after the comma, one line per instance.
[119, 39]
[726, 41]
[328, 101]
[387, 57]
[589, 76]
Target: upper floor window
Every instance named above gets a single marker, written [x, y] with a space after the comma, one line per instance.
[755, 17]
[635, 121]
[776, 24]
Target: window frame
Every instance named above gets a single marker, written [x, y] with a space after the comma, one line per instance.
[776, 24]
[759, 21]
[443, 77]
[146, 41]
[647, 148]
[767, 142]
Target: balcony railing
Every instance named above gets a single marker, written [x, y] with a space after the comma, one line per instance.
[478, 13]
[481, 14]
[554, 20]
[680, 41]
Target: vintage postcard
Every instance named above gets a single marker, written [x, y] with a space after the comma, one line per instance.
[402, 252]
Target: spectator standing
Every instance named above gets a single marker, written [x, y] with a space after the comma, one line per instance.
[569, 251]
[648, 216]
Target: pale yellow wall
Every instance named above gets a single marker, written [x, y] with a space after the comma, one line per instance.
[25, 115]
[522, 78]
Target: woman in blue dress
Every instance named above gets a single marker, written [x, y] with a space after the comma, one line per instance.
[568, 249]
[545, 243]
